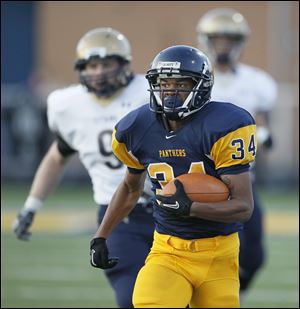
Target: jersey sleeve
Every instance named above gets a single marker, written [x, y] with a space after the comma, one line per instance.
[236, 148]
[123, 144]
[231, 143]
[51, 112]
[122, 152]
[64, 148]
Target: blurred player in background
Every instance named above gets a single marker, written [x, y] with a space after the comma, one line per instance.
[194, 257]
[82, 118]
[222, 33]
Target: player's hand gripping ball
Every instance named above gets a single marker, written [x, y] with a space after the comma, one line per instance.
[179, 194]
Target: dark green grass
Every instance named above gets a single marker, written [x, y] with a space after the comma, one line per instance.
[277, 285]
[51, 271]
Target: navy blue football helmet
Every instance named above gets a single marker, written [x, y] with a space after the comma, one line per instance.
[182, 62]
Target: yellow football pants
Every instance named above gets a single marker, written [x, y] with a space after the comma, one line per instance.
[201, 273]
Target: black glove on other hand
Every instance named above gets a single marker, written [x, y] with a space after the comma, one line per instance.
[99, 254]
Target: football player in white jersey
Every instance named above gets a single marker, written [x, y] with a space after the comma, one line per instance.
[222, 33]
[82, 117]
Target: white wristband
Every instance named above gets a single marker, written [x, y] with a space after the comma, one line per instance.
[33, 203]
[262, 134]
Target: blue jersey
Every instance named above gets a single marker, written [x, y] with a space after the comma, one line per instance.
[219, 139]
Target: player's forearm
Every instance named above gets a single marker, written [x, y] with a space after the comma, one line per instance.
[48, 174]
[123, 201]
[228, 211]
[238, 208]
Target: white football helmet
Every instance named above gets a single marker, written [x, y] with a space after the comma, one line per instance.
[103, 43]
[225, 23]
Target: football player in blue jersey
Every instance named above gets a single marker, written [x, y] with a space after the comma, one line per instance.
[194, 257]
[82, 117]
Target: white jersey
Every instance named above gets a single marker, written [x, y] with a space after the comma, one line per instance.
[247, 87]
[86, 122]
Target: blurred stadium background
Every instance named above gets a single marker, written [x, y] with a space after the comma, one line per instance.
[38, 42]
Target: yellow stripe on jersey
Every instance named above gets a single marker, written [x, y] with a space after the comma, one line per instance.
[123, 155]
[237, 147]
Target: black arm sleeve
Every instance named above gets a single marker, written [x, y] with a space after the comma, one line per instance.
[63, 147]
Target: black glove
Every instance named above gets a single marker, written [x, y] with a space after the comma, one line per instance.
[178, 203]
[99, 254]
[23, 223]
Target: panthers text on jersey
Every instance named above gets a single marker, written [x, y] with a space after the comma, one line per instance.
[247, 87]
[219, 139]
[85, 123]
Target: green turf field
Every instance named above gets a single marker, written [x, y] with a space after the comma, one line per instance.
[53, 271]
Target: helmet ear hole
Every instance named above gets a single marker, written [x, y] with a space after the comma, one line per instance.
[80, 64]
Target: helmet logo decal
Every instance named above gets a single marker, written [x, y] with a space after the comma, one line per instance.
[168, 64]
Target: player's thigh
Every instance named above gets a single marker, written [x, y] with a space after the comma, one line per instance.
[123, 287]
[160, 287]
[222, 293]
[131, 249]
[132, 252]
[220, 289]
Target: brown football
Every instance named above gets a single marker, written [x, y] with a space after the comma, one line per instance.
[199, 188]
